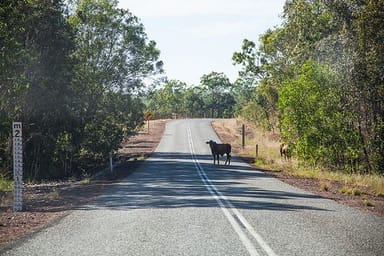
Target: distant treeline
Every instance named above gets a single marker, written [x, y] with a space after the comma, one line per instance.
[214, 97]
[70, 72]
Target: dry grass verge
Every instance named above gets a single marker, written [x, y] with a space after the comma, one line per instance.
[365, 192]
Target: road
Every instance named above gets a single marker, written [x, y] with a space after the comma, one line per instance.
[179, 203]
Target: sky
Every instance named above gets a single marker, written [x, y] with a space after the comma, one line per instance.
[197, 37]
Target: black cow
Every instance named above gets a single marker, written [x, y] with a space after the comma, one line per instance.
[220, 149]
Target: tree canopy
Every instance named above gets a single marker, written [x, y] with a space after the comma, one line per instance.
[320, 81]
[70, 73]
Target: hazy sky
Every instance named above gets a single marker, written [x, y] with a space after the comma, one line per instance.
[196, 37]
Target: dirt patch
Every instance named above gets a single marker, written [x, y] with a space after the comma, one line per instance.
[144, 142]
[48, 202]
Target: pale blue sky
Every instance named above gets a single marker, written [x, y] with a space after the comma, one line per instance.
[199, 36]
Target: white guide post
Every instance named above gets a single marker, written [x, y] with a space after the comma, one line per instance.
[17, 166]
[111, 161]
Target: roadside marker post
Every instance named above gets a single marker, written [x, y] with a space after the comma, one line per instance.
[257, 150]
[148, 116]
[17, 166]
[111, 161]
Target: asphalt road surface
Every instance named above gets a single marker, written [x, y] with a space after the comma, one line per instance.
[179, 203]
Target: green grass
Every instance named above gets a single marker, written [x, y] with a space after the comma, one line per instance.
[85, 181]
[6, 184]
[367, 203]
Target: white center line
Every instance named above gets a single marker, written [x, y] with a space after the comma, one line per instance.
[226, 206]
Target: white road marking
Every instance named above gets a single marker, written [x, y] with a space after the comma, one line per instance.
[226, 206]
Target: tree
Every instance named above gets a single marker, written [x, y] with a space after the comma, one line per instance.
[113, 56]
[361, 35]
[217, 87]
[345, 36]
[37, 70]
[72, 78]
[112, 46]
[312, 118]
[193, 102]
[262, 74]
[168, 100]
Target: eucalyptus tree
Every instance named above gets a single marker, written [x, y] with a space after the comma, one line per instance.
[315, 124]
[113, 57]
[345, 37]
[71, 74]
[166, 101]
[262, 74]
[356, 51]
[218, 95]
[36, 69]
[193, 102]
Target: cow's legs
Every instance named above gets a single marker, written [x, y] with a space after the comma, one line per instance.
[228, 159]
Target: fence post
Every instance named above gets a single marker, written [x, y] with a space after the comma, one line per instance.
[243, 135]
[111, 161]
[257, 150]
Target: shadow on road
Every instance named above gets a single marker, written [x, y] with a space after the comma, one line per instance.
[171, 180]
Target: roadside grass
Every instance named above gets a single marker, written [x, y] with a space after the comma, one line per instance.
[268, 158]
[140, 157]
[85, 180]
[53, 195]
[324, 186]
[367, 203]
[5, 184]
[349, 191]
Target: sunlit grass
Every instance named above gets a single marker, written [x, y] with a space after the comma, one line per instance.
[367, 203]
[268, 158]
[85, 181]
[141, 157]
[350, 190]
